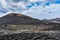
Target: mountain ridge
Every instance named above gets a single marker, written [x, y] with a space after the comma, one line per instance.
[14, 18]
[55, 20]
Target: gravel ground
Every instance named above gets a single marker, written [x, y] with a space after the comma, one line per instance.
[42, 35]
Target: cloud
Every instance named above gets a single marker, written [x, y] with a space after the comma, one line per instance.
[48, 12]
[40, 9]
[2, 9]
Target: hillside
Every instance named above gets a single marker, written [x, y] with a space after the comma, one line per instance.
[55, 20]
[14, 18]
[19, 22]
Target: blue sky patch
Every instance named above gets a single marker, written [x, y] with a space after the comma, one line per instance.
[16, 1]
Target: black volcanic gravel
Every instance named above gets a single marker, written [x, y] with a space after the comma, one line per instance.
[31, 36]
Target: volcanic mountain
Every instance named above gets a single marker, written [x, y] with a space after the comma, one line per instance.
[25, 22]
[14, 18]
[55, 20]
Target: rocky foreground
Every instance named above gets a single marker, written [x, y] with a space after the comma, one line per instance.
[43, 35]
[28, 32]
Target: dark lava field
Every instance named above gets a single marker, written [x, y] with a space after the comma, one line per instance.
[32, 36]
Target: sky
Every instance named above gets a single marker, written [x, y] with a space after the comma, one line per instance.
[39, 9]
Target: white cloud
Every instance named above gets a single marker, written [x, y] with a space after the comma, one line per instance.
[33, 0]
[51, 11]
[36, 0]
[48, 12]
[4, 4]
